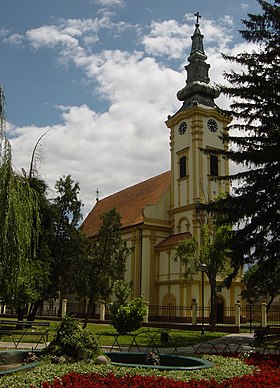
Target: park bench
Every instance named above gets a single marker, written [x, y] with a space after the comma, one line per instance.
[17, 330]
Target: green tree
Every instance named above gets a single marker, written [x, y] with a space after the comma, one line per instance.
[41, 246]
[262, 281]
[254, 205]
[65, 247]
[213, 251]
[19, 229]
[62, 245]
[105, 262]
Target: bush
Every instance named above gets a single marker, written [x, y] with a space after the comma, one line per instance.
[72, 341]
[126, 316]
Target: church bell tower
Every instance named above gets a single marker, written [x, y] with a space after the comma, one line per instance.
[197, 125]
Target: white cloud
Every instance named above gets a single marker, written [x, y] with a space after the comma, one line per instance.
[128, 142]
[227, 20]
[124, 76]
[3, 32]
[167, 38]
[170, 38]
[50, 36]
[110, 150]
[244, 6]
[73, 38]
[110, 2]
[67, 33]
[15, 39]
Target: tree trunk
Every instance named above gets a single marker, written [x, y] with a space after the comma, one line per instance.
[88, 311]
[269, 303]
[213, 302]
[33, 310]
[20, 312]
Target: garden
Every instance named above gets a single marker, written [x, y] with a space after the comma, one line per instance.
[70, 360]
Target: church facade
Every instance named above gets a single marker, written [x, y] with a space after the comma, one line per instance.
[160, 212]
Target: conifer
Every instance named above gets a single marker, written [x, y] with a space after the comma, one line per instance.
[254, 138]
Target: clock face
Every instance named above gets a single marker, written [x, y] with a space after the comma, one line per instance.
[183, 127]
[212, 125]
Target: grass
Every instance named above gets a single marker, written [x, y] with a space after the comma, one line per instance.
[143, 336]
[179, 338]
[106, 334]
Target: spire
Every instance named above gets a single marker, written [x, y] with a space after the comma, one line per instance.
[198, 90]
[197, 38]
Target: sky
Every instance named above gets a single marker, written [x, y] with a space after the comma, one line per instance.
[100, 77]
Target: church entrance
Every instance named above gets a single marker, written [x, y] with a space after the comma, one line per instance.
[220, 310]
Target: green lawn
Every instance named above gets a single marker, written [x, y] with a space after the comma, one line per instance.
[143, 336]
[179, 338]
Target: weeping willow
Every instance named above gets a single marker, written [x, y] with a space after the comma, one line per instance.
[19, 225]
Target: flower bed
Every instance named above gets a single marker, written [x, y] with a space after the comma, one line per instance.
[266, 374]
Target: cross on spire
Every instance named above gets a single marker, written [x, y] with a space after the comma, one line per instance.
[198, 16]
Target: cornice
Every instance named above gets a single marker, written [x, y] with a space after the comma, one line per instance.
[198, 111]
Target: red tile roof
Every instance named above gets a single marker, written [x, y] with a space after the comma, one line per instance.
[173, 240]
[129, 203]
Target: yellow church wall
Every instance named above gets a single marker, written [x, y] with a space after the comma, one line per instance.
[128, 237]
[163, 266]
[197, 185]
[142, 263]
[183, 219]
[172, 281]
[157, 214]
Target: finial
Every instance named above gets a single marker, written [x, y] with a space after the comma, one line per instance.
[198, 16]
[97, 195]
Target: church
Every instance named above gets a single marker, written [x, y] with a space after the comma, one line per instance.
[160, 212]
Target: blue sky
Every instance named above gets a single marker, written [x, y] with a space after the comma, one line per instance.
[102, 76]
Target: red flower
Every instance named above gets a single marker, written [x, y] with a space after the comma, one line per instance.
[267, 375]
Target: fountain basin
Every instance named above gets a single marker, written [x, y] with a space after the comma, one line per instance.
[13, 361]
[167, 361]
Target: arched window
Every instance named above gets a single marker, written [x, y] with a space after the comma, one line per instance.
[214, 166]
[183, 225]
[183, 166]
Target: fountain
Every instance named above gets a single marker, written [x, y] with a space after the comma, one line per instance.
[157, 361]
[17, 360]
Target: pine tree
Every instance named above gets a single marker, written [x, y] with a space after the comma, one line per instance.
[254, 205]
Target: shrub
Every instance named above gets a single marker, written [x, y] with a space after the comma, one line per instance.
[126, 316]
[72, 341]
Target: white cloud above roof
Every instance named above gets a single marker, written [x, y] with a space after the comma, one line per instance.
[126, 141]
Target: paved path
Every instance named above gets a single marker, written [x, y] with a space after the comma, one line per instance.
[22, 345]
[228, 344]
